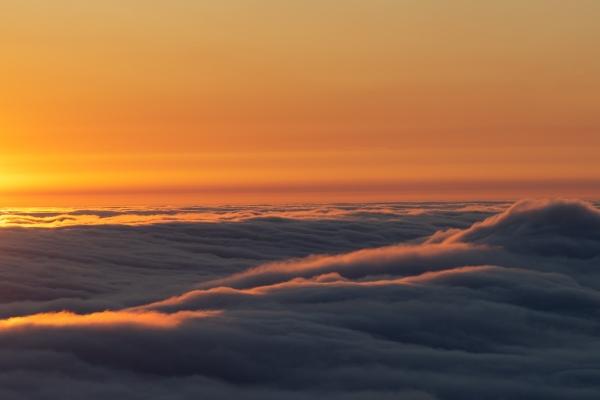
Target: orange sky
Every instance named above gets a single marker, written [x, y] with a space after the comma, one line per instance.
[106, 102]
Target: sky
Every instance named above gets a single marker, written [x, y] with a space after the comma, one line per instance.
[233, 101]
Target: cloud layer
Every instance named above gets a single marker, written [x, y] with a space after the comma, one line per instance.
[426, 304]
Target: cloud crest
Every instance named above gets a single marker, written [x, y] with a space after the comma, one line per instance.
[554, 228]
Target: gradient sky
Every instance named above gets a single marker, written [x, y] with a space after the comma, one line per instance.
[105, 102]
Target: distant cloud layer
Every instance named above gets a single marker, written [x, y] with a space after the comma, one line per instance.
[430, 301]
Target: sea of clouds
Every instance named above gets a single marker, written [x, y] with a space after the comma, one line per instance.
[363, 301]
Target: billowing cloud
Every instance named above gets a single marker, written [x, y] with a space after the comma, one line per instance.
[294, 309]
[554, 228]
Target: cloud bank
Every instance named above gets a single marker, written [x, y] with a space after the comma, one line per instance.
[428, 304]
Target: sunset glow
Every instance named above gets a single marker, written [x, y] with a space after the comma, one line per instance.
[300, 199]
[186, 102]
[106, 318]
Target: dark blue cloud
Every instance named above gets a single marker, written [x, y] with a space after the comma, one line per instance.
[505, 308]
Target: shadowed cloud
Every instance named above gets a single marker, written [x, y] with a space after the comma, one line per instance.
[502, 308]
